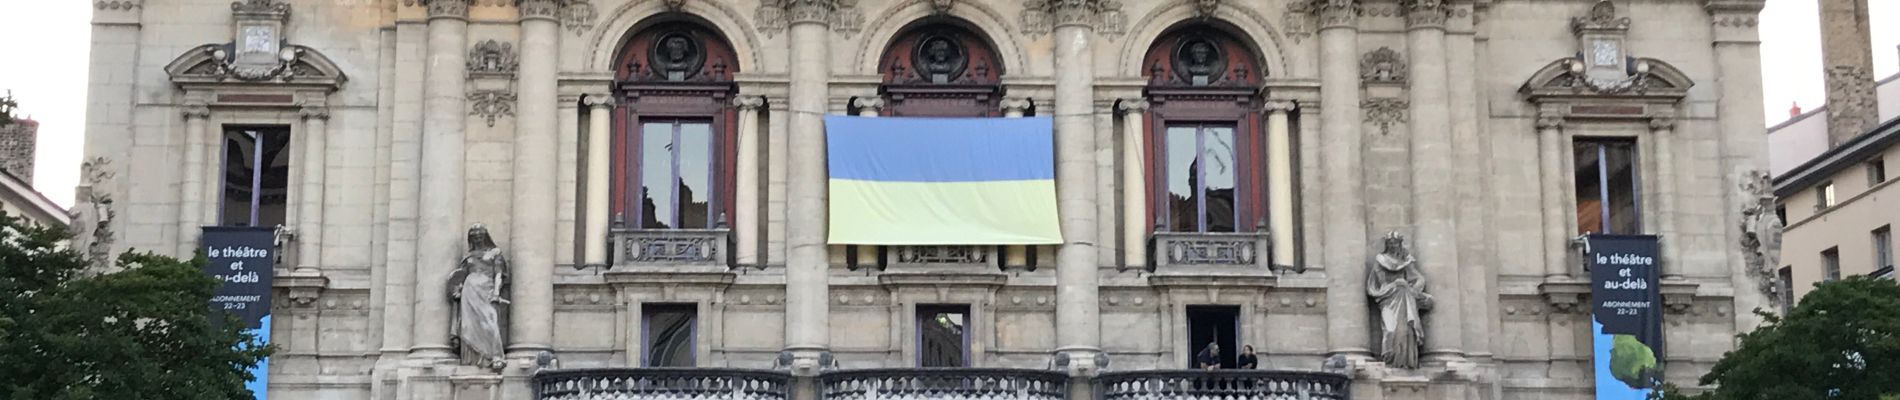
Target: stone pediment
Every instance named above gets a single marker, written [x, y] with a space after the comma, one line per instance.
[214, 64]
[1645, 78]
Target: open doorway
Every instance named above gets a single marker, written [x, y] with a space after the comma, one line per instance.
[1219, 325]
[943, 335]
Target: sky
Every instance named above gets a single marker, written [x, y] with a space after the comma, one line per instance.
[47, 48]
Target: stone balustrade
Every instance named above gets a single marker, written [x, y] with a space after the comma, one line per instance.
[943, 383]
[1223, 385]
[661, 384]
[1229, 250]
[674, 247]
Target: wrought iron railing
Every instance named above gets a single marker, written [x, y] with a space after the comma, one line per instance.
[661, 384]
[943, 384]
[671, 247]
[1223, 385]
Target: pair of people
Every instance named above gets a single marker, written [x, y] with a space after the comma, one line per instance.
[1209, 358]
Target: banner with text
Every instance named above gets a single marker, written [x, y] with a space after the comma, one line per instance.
[1626, 315]
[243, 259]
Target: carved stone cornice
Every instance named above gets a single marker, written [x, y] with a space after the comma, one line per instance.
[309, 112]
[199, 111]
[748, 103]
[1104, 16]
[446, 8]
[539, 9]
[1425, 13]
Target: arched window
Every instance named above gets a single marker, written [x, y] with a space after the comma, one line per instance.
[1205, 133]
[673, 129]
[940, 69]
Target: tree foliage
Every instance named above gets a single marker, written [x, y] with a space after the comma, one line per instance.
[143, 332]
[1841, 342]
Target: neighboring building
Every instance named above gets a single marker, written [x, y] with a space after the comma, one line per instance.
[17, 196]
[655, 173]
[1804, 135]
[1842, 207]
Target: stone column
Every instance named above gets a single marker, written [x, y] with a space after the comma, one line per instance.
[536, 180]
[440, 240]
[746, 204]
[1134, 183]
[1280, 181]
[868, 107]
[600, 107]
[807, 316]
[1433, 217]
[405, 169]
[1017, 255]
[1345, 228]
[1551, 145]
[310, 219]
[1744, 149]
[1662, 132]
[1078, 313]
[191, 191]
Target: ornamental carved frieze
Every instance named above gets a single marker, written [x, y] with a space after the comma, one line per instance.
[1382, 66]
[1385, 112]
[941, 255]
[1043, 16]
[491, 104]
[543, 9]
[774, 16]
[446, 8]
[493, 58]
[579, 15]
[703, 247]
[116, 5]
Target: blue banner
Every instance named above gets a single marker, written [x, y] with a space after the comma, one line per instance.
[1626, 315]
[244, 259]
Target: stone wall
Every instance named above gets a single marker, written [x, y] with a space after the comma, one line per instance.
[17, 141]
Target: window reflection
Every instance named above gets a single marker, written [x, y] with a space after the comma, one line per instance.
[1202, 175]
[675, 172]
[256, 176]
[1607, 187]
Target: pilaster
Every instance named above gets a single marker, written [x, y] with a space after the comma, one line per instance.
[191, 189]
[439, 239]
[1345, 231]
[309, 222]
[536, 156]
[1433, 215]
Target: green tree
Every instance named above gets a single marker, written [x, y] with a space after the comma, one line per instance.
[143, 332]
[1841, 342]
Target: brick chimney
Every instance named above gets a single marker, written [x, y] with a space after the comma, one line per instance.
[16, 147]
[1847, 58]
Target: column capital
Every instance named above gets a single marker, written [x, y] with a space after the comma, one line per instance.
[1331, 13]
[874, 103]
[539, 9]
[1279, 105]
[446, 8]
[1040, 15]
[599, 100]
[1662, 122]
[1549, 120]
[570, 99]
[314, 112]
[1134, 105]
[748, 103]
[1017, 104]
[806, 11]
[196, 111]
[1425, 13]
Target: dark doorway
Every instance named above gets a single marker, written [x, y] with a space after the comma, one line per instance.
[669, 334]
[943, 335]
[1219, 325]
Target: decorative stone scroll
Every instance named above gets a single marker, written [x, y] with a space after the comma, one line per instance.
[1043, 16]
[1386, 112]
[491, 104]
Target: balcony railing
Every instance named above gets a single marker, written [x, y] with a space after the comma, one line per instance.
[944, 384]
[1223, 385]
[672, 247]
[661, 384]
[1219, 250]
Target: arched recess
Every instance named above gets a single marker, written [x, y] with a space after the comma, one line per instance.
[1253, 30]
[940, 67]
[673, 139]
[977, 17]
[1205, 136]
[611, 37]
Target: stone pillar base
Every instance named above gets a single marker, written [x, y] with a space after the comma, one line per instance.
[1373, 380]
[446, 379]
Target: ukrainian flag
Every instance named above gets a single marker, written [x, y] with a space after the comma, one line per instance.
[942, 181]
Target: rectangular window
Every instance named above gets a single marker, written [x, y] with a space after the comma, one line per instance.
[1787, 289]
[1824, 195]
[675, 174]
[1883, 247]
[256, 180]
[943, 335]
[1876, 172]
[1200, 178]
[1607, 186]
[1781, 212]
[1831, 264]
[669, 333]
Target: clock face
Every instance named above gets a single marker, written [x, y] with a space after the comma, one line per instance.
[257, 39]
[1604, 52]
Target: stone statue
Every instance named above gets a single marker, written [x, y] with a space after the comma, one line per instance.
[1397, 287]
[476, 287]
[1761, 235]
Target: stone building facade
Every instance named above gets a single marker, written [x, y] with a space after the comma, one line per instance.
[1491, 132]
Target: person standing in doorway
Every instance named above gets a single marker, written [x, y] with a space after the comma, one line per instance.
[1209, 358]
[1247, 359]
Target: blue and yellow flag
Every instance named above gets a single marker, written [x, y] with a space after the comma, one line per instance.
[942, 181]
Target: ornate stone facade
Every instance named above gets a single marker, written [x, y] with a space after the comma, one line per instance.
[1348, 119]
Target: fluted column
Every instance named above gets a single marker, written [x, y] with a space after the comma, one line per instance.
[310, 215]
[1134, 183]
[1345, 227]
[746, 204]
[600, 108]
[439, 243]
[1433, 216]
[535, 183]
[1280, 181]
[1550, 165]
[807, 316]
[191, 191]
[1078, 315]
